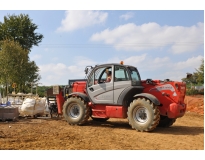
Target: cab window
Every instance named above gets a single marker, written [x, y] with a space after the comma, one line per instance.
[98, 76]
[91, 80]
[121, 74]
[135, 77]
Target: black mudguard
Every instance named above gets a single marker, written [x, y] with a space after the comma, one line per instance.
[128, 93]
[150, 97]
[82, 95]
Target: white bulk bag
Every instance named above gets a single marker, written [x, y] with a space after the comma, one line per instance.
[32, 106]
[39, 106]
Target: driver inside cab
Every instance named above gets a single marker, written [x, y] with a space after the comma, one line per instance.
[109, 78]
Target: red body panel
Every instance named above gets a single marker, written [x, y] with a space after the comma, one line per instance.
[79, 87]
[60, 101]
[171, 96]
[107, 111]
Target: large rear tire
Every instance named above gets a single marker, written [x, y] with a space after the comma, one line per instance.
[165, 121]
[143, 115]
[76, 111]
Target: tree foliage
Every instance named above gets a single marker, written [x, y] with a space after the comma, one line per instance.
[196, 77]
[21, 29]
[42, 90]
[15, 65]
[200, 73]
[17, 37]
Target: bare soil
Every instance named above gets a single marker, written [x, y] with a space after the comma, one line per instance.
[44, 133]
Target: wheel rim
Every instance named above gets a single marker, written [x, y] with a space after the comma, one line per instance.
[141, 115]
[74, 111]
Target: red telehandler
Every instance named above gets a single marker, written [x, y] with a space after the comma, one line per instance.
[145, 103]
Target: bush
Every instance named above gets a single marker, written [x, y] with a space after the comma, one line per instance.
[194, 92]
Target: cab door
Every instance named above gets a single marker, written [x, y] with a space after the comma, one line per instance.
[121, 81]
[100, 91]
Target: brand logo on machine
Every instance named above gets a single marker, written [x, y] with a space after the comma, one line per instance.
[164, 87]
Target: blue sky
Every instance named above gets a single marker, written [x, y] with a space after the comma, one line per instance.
[160, 43]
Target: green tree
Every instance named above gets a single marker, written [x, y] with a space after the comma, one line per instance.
[42, 90]
[11, 56]
[200, 73]
[31, 76]
[21, 29]
[15, 65]
[190, 79]
[196, 77]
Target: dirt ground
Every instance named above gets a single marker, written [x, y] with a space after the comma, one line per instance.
[44, 133]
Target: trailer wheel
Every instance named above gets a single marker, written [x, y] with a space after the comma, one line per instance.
[76, 111]
[143, 115]
[165, 121]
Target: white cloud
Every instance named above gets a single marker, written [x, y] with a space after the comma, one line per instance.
[80, 19]
[135, 60]
[191, 63]
[35, 57]
[83, 61]
[52, 73]
[153, 36]
[127, 16]
[146, 63]
[174, 75]
[163, 68]
[149, 67]
[143, 61]
[57, 69]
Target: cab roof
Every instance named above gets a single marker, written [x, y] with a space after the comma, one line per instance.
[114, 64]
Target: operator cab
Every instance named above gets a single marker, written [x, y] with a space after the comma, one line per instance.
[123, 79]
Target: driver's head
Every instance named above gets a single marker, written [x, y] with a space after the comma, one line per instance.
[109, 73]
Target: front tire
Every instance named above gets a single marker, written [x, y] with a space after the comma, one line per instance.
[143, 115]
[76, 111]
